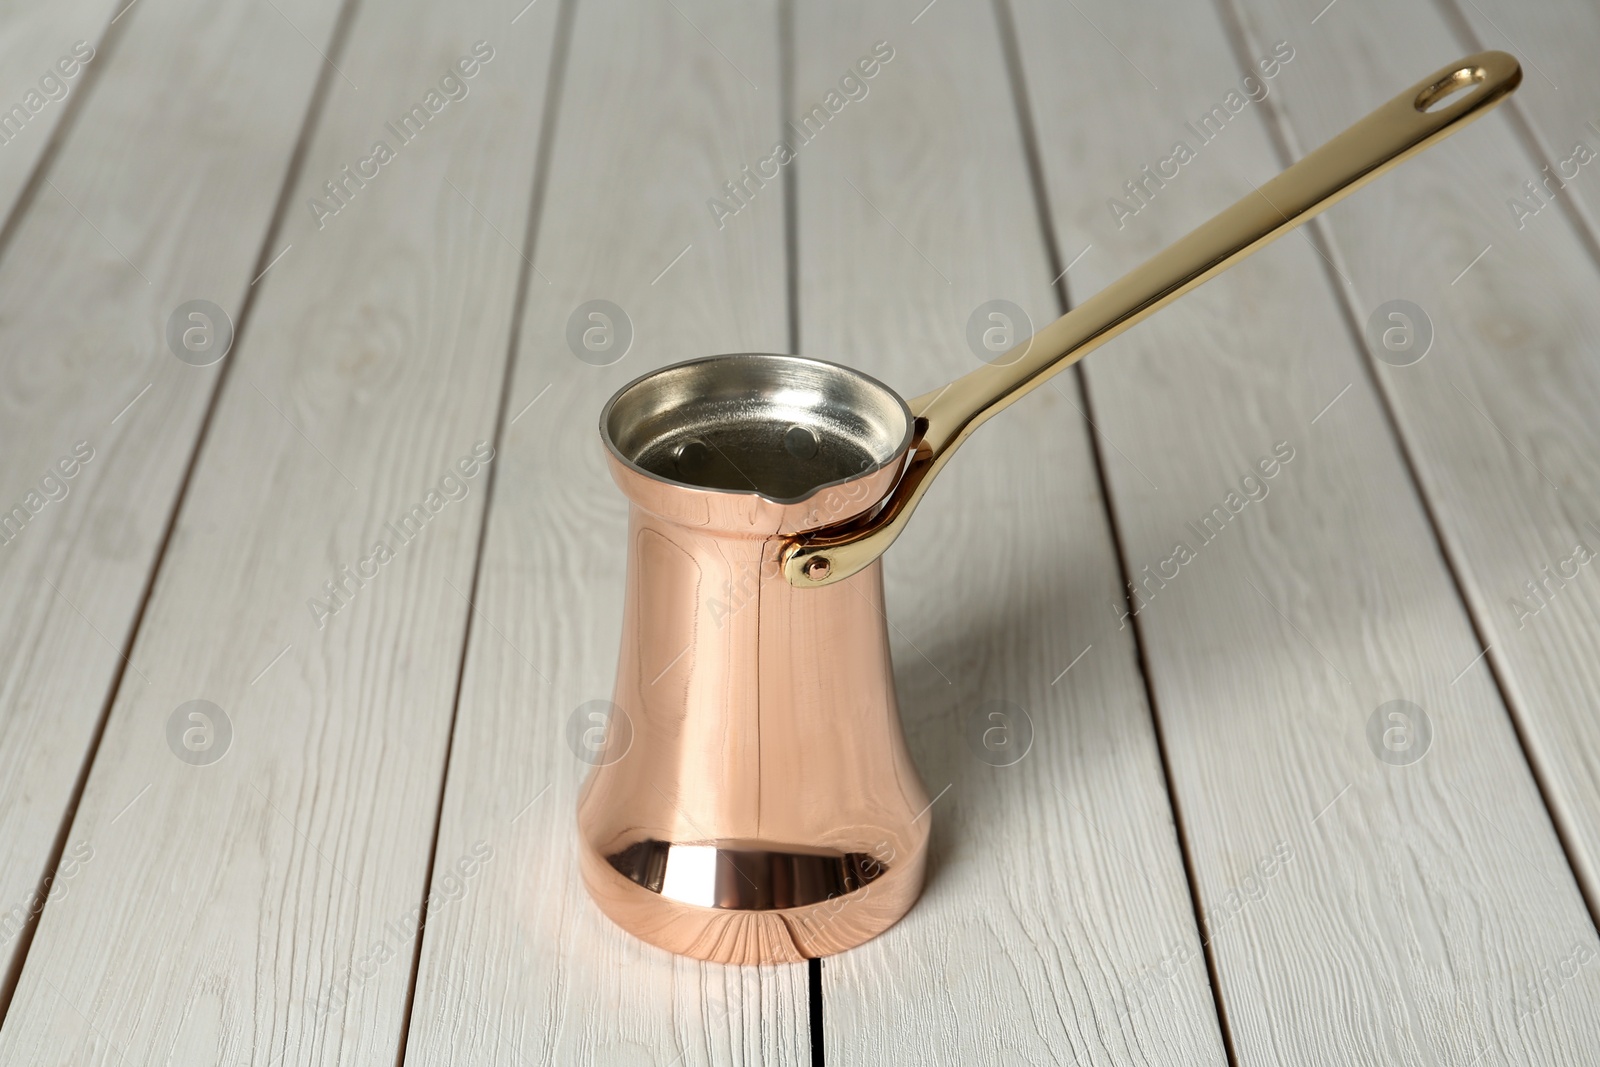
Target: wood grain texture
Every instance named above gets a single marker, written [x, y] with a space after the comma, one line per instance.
[1359, 911]
[261, 909]
[1056, 884]
[653, 119]
[34, 38]
[1500, 416]
[225, 90]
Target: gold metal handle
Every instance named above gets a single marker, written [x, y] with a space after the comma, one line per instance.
[945, 418]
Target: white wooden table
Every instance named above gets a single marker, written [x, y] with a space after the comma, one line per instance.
[1221, 847]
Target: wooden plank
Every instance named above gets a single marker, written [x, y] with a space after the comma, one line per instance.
[1559, 100]
[1500, 416]
[49, 55]
[654, 118]
[88, 363]
[1363, 904]
[261, 909]
[1502, 427]
[1056, 882]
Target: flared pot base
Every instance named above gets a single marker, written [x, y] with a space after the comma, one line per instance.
[745, 905]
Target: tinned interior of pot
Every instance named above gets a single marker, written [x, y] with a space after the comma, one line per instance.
[779, 426]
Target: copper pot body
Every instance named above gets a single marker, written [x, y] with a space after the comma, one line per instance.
[754, 800]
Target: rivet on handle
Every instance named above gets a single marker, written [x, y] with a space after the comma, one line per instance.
[817, 568]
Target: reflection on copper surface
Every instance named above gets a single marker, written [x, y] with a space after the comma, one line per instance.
[750, 879]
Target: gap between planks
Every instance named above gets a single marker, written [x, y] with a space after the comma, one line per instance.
[1036, 178]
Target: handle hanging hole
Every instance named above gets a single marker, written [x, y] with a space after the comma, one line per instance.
[1449, 89]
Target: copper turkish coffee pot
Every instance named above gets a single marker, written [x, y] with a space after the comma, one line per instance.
[758, 804]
